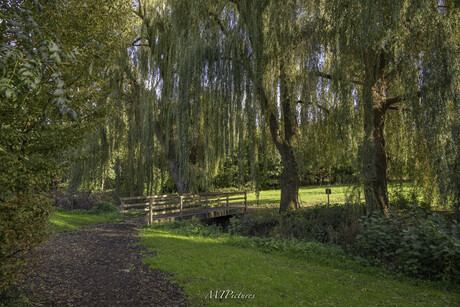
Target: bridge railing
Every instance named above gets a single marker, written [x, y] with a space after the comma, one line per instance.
[182, 204]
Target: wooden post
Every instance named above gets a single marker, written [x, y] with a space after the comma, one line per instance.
[328, 191]
[206, 204]
[245, 202]
[181, 205]
[227, 204]
[150, 212]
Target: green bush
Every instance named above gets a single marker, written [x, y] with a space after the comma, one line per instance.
[81, 200]
[415, 242]
[104, 207]
[379, 237]
[260, 225]
[335, 223]
[23, 225]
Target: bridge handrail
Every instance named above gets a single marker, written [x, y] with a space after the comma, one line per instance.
[180, 202]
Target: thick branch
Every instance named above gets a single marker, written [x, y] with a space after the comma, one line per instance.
[140, 13]
[393, 100]
[397, 108]
[137, 40]
[290, 122]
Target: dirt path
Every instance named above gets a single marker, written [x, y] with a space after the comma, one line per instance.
[100, 265]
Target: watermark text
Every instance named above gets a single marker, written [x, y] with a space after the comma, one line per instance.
[228, 294]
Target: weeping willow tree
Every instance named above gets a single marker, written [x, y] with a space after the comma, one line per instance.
[192, 114]
[249, 60]
[274, 51]
[399, 56]
[123, 150]
[164, 99]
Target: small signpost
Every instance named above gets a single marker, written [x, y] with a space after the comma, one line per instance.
[328, 191]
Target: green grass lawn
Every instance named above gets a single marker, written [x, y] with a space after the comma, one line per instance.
[69, 220]
[204, 264]
[315, 194]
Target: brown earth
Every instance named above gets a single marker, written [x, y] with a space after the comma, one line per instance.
[100, 265]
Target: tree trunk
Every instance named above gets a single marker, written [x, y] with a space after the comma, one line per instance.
[374, 152]
[286, 143]
[380, 182]
[289, 181]
[375, 165]
[180, 183]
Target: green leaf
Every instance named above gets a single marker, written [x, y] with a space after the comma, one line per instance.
[27, 73]
[58, 92]
[9, 93]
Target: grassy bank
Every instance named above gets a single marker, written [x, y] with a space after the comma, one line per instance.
[255, 272]
[317, 194]
[68, 220]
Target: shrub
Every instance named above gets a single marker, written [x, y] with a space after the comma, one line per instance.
[415, 242]
[23, 225]
[82, 200]
[379, 237]
[334, 223]
[104, 207]
[260, 225]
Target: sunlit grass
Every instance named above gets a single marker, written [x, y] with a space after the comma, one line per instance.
[201, 265]
[68, 220]
[317, 194]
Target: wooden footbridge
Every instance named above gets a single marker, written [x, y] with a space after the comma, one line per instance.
[166, 208]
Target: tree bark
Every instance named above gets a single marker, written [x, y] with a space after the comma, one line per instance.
[380, 181]
[374, 151]
[180, 183]
[289, 181]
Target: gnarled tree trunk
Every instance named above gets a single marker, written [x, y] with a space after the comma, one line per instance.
[380, 182]
[375, 156]
[289, 180]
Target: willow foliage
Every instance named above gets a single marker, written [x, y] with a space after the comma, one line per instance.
[400, 55]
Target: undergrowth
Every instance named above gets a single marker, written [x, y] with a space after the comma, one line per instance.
[414, 241]
[279, 272]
